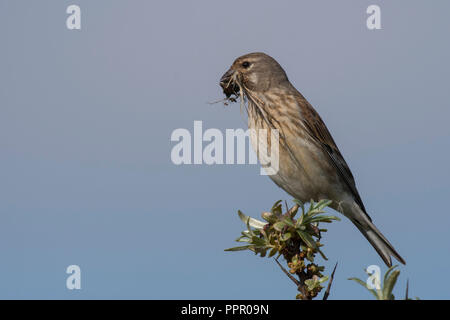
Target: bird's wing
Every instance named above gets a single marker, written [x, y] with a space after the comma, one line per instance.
[319, 133]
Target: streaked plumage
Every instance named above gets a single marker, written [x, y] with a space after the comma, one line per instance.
[311, 165]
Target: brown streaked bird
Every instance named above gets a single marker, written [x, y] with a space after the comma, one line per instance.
[310, 163]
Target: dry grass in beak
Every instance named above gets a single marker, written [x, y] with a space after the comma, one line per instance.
[232, 91]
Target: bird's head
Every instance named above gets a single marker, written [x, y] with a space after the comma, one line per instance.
[254, 71]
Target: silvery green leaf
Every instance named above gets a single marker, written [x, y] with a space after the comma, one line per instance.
[300, 220]
[288, 222]
[327, 219]
[251, 221]
[239, 248]
[307, 239]
[269, 217]
[386, 275]
[365, 286]
[258, 241]
[389, 285]
[263, 253]
[310, 284]
[322, 254]
[272, 252]
[279, 225]
[276, 208]
[286, 236]
[323, 203]
[242, 239]
[249, 229]
[301, 204]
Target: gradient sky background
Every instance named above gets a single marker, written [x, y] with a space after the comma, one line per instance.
[85, 124]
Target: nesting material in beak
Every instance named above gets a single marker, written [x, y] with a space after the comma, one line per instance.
[228, 84]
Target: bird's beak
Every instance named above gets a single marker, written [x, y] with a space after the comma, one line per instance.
[226, 78]
[229, 87]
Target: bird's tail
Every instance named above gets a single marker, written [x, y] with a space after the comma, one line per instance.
[377, 240]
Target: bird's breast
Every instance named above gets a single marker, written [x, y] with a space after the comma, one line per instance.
[301, 171]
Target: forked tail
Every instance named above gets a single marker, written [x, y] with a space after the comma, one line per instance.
[378, 241]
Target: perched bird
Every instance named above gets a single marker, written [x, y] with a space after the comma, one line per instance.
[311, 167]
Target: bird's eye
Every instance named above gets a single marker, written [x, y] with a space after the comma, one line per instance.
[246, 64]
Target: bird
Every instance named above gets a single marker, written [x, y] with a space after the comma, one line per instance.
[311, 167]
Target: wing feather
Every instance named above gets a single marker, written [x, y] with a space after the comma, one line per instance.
[319, 133]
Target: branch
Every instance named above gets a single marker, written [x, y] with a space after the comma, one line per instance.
[327, 292]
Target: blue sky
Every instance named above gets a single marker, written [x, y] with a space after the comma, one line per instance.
[85, 124]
